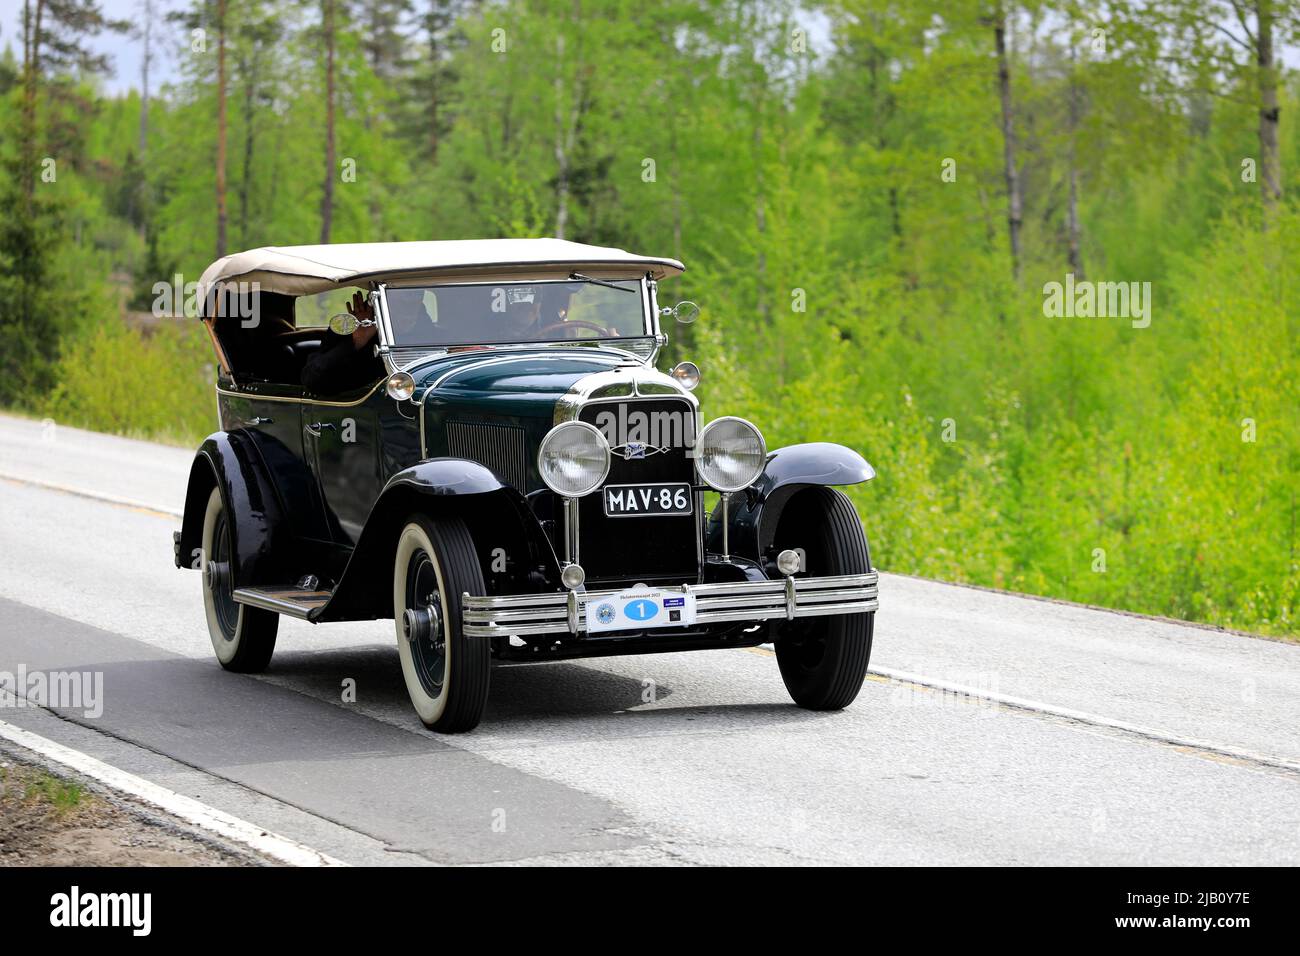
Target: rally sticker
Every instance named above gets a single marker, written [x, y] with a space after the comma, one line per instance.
[635, 609]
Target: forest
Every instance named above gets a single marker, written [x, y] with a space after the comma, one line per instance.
[1032, 259]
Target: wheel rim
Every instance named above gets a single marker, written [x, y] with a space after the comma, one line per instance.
[805, 645]
[428, 654]
[223, 600]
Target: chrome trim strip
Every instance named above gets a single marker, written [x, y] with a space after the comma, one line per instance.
[618, 385]
[253, 396]
[392, 351]
[408, 357]
[550, 613]
[267, 603]
[652, 297]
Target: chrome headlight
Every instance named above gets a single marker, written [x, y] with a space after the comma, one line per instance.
[573, 459]
[730, 454]
[401, 386]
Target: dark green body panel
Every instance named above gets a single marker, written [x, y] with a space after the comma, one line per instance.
[520, 391]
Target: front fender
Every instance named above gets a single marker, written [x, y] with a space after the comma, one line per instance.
[259, 533]
[442, 477]
[753, 513]
[500, 521]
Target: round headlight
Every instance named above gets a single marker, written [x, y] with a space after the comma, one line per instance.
[687, 375]
[401, 386]
[730, 454]
[573, 459]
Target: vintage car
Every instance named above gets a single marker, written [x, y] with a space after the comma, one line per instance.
[485, 453]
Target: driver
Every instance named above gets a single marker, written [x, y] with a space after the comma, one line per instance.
[522, 311]
[555, 303]
[531, 310]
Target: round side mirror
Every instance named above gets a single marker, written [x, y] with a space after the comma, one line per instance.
[686, 312]
[344, 323]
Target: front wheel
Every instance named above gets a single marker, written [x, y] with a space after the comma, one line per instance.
[823, 660]
[446, 672]
[242, 636]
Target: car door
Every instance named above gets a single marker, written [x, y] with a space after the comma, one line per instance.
[343, 449]
[272, 416]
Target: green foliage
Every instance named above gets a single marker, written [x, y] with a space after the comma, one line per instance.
[157, 385]
[793, 155]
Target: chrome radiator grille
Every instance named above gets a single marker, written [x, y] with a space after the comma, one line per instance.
[648, 548]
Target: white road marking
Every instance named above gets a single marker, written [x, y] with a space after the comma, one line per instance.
[96, 495]
[187, 808]
[1022, 703]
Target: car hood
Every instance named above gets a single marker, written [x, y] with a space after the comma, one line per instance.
[510, 385]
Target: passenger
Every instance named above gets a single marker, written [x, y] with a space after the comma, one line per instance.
[345, 363]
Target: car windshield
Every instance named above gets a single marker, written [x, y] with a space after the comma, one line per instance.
[500, 313]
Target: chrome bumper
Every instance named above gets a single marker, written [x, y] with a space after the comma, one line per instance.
[522, 615]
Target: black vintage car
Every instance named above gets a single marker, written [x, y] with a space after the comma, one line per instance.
[471, 438]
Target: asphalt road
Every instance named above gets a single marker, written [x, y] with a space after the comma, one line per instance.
[1182, 744]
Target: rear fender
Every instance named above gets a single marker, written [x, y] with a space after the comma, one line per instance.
[260, 541]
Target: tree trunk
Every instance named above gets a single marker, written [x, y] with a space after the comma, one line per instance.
[760, 217]
[1008, 140]
[434, 58]
[1072, 211]
[327, 197]
[221, 128]
[561, 142]
[1269, 162]
[250, 133]
[146, 53]
[31, 80]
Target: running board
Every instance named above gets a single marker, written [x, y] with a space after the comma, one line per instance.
[292, 602]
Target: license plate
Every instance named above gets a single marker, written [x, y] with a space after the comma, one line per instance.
[638, 608]
[628, 501]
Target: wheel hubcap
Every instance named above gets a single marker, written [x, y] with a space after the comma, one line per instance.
[216, 575]
[422, 623]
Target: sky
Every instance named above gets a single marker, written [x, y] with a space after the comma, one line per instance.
[124, 50]
[169, 41]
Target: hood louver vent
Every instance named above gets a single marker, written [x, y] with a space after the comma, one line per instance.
[500, 447]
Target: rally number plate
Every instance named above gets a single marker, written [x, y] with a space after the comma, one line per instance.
[639, 608]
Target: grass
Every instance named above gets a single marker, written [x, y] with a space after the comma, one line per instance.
[62, 796]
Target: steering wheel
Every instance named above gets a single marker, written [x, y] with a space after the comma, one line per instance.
[572, 324]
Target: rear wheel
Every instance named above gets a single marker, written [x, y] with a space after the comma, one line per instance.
[242, 636]
[823, 660]
[446, 673]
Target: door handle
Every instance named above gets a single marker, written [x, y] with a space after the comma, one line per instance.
[315, 428]
[259, 420]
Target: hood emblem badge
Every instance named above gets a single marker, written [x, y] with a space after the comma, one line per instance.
[635, 450]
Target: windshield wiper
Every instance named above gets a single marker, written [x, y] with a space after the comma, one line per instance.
[608, 285]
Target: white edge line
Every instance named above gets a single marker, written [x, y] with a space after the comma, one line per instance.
[1017, 702]
[96, 495]
[186, 808]
[1022, 703]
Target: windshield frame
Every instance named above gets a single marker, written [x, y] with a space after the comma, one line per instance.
[644, 290]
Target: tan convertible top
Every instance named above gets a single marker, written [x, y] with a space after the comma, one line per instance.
[307, 270]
